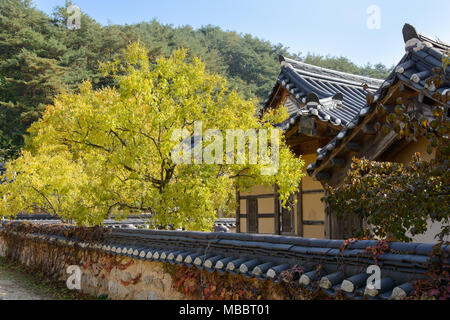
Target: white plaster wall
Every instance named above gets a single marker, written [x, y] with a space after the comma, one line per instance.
[429, 236]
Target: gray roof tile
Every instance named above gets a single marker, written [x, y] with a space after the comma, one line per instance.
[341, 95]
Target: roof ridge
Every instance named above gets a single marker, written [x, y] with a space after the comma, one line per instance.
[340, 74]
[435, 43]
[410, 32]
[346, 81]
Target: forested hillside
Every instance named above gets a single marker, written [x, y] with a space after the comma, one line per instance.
[40, 56]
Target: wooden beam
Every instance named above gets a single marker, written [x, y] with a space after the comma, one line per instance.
[277, 211]
[277, 98]
[272, 99]
[313, 191]
[338, 162]
[259, 196]
[324, 127]
[300, 211]
[265, 215]
[337, 177]
[381, 143]
[413, 92]
[353, 146]
[300, 139]
[369, 129]
[313, 223]
[371, 151]
[293, 131]
[238, 211]
[391, 92]
[394, 149]
[327, 224]
[323, 176]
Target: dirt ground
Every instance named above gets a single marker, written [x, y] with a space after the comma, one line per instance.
[18, 283]
[14, 287]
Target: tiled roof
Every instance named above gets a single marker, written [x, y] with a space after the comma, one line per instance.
[415, 70]
[329, 95]
[422, 55]
[226, 222]
[266, 257]
[132, 222]
[124, 224]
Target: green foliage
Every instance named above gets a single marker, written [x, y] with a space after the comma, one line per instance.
[105, 151]
[30, 74]
[40, 57]
[445, 61]
[412, 125]
[394, 198]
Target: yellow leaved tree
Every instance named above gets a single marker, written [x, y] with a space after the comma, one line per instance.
[96, 153]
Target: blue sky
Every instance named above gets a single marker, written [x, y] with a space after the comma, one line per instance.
[320, 26]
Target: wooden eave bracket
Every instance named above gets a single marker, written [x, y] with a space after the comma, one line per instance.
[355, 132]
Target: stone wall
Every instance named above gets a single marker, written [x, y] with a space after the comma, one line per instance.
[157, 264]
[102, 274]
[108, 275]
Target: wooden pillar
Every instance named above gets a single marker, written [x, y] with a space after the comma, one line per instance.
[327, 220]
[300, 211]
[238, 211]
[277, 211]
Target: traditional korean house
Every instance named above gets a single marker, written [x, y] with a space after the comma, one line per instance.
[320, 103]
[331, 121]
[412, 84]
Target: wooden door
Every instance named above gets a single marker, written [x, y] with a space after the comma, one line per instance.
[287, 219]
[252, 215]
